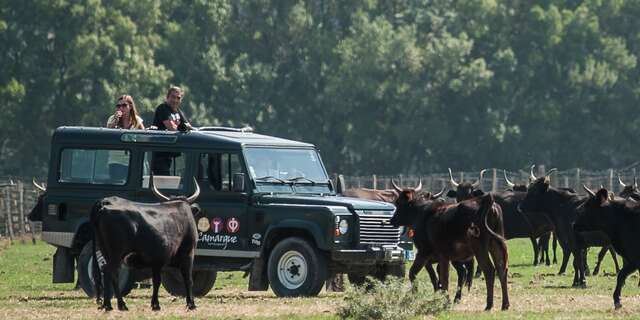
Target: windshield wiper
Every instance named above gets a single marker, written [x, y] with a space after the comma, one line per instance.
[265, 178]
[296, 179]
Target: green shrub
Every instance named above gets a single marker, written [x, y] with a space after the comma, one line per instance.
[393, 299]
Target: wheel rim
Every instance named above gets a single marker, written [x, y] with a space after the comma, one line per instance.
[292, 270]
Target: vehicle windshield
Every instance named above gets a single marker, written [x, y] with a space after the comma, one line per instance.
[287, 170]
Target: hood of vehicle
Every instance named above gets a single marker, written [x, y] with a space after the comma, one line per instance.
[351, 203]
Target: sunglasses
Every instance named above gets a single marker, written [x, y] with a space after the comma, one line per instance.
[121, 105]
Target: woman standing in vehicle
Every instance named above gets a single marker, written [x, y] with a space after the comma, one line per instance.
[126, 115]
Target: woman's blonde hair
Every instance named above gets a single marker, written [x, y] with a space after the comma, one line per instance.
[133, 112]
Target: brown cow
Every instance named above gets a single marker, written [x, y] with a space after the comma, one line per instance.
[458, 232]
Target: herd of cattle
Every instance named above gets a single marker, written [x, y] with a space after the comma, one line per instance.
[478, 225]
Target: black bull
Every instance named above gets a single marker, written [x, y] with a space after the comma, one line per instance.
[457, 232]
[145, 236]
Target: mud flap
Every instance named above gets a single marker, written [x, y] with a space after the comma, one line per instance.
[258, 280]
[63, 266]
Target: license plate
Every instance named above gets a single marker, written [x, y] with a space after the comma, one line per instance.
[409, 255]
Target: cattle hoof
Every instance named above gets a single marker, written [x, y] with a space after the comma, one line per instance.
[123, 307]
[618, 305]
[155, 307]
[191, 306]
[505, 307]
[106, 308]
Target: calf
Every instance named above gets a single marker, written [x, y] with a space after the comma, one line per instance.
[458, 232]
[145, 235]
[620, 221]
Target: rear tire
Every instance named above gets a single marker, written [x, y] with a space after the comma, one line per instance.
[203, 282]
[85, 273]
[295, 268]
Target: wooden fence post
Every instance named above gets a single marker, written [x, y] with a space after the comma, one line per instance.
[7, 211]
[494, 181]
[23, 227]
[375, 182]
[577, 185]
[611, 180]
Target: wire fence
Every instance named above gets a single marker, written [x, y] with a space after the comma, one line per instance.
[18, 196]
[493, 179]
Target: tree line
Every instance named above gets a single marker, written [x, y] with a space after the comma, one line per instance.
[382, 87]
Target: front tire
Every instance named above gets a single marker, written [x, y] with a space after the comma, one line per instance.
[203, 282]
[295, 269]
[85, 273]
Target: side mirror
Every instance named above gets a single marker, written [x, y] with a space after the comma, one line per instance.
[238, 182]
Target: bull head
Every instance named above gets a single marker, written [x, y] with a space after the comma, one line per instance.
[191, 199]
[532, 177]
[39, 187]
[416, 189]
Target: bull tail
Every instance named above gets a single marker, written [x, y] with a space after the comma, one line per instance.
[501, 239]
[97, 276]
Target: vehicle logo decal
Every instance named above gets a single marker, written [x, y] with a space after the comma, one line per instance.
[233, 225]
[203, 225]
[217, 224]
[256, 236]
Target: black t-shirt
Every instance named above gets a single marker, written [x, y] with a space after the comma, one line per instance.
[164, 112]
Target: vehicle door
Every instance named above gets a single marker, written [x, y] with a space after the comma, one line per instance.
[222, 229]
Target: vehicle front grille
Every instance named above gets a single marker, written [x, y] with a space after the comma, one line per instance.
[376, 229]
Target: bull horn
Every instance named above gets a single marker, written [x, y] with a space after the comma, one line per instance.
[419, 187]
[437, 195]
[453, 182]
[550, 172]
[477, 183]
[194, 196]
[155, 190]
[620, 181]
[39, 187]
[509, 183]
[591, 193]
[395, 186]
[532, 177]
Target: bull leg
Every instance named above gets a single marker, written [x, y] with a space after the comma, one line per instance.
[536, 250]
[186, 270]
[615, 258]
[116, 289]
[417, 264]
[443, 274]
[578, 267]
[500, 257]
[462, 274]
[566, 252]
[469, 274]
[155, 303]
[432, 276]
[622, 276]
[554, 246]
[478, 271]
[601, 254]
[485, 264]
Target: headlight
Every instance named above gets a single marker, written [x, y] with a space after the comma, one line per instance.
[343, 227]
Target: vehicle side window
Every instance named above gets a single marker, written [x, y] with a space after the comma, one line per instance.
[217, 170]
[94, 166]
[168, 169]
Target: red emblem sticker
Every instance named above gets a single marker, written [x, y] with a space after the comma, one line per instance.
[233, 225]
[216, 225]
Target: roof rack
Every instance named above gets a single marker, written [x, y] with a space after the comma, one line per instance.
[228, 129]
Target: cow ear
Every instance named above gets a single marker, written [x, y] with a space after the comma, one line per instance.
[477, 193]
[451, 194]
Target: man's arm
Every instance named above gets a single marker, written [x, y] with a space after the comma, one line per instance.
[170, 124]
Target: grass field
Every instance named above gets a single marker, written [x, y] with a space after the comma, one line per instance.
[26, 291]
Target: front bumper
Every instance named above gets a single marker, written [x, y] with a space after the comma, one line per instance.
[372, 255]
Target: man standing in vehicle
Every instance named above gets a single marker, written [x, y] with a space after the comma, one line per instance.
[168, 116]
